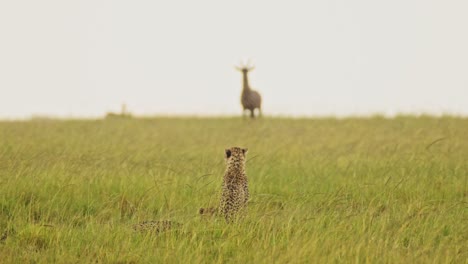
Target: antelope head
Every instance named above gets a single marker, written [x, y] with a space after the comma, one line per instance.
[245, 67]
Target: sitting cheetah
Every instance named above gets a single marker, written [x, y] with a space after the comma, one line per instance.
[234, 196]
[235, 191]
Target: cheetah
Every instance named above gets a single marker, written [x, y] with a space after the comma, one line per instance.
[235, 191]
[234, 195]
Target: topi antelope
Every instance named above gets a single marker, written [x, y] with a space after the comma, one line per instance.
[250, 99]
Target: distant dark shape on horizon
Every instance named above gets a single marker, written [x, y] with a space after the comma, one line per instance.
[123, 113]
[250, 99]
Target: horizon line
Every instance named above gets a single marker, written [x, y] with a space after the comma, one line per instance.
[112, 115]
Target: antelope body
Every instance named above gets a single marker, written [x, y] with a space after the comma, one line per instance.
[250, 99]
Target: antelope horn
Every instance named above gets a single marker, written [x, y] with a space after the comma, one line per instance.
[249, 65]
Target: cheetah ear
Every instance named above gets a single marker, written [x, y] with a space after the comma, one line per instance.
[228, 153]
[244, 151]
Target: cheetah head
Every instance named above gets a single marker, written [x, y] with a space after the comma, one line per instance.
[235, 154]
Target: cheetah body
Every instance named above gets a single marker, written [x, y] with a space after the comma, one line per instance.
[235, 191]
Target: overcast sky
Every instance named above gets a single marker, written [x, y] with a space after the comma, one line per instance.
[84, 58]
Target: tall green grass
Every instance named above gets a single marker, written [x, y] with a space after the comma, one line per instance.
[322, 190]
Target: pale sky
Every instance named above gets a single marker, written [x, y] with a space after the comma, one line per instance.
[84, 58]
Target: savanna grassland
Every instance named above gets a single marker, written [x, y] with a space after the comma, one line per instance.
[322, 190]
